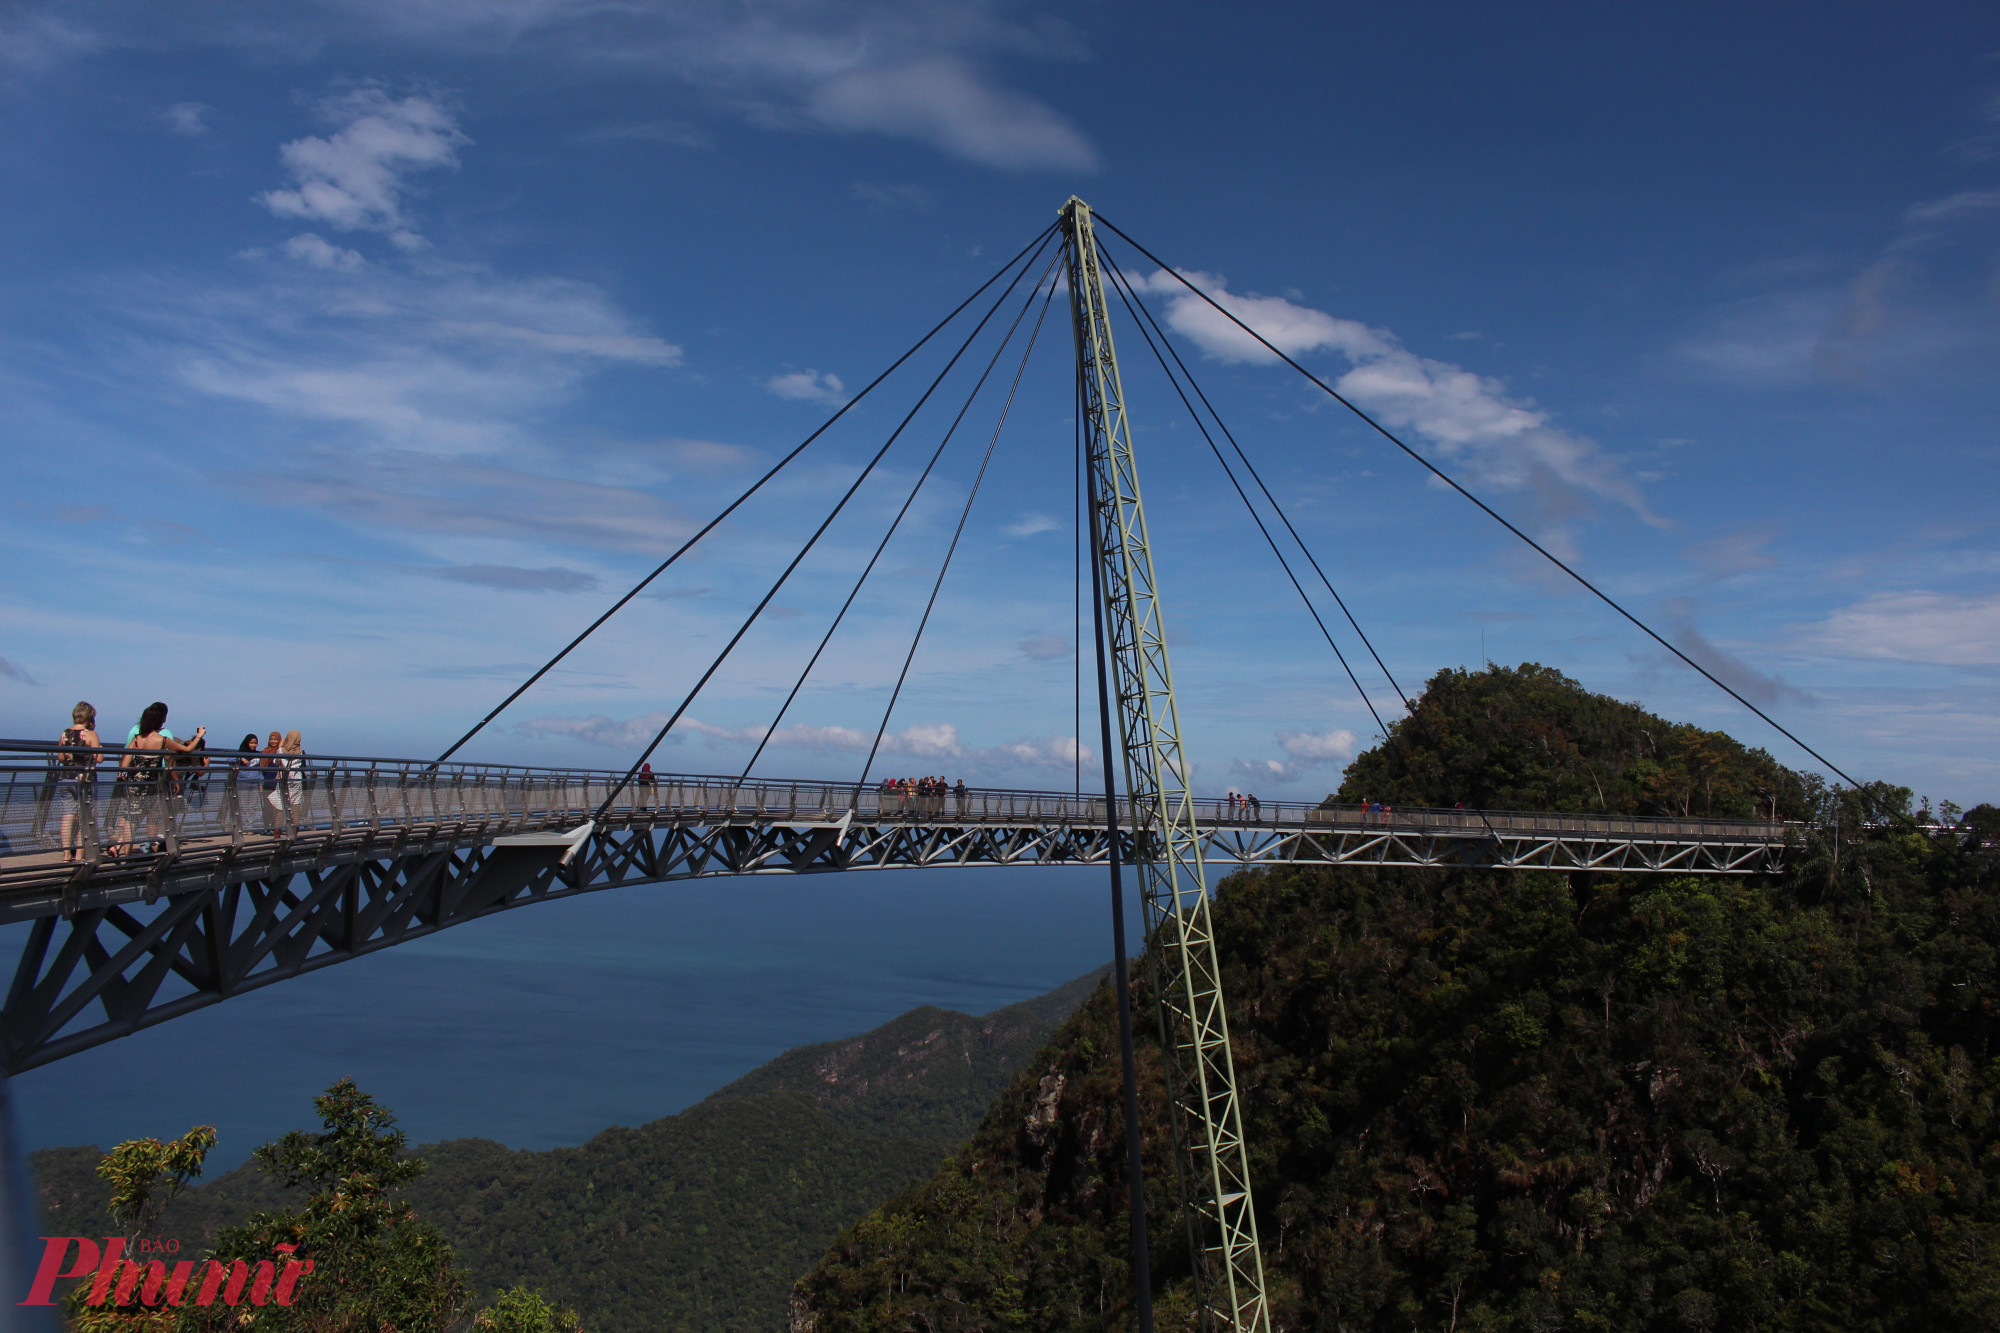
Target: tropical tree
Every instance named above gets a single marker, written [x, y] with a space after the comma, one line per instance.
[376, 1268]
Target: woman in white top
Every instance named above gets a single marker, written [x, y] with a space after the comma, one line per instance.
[288, 794]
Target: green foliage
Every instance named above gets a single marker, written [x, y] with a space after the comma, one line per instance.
[929, 1074]
[1530, 738]
[1490, 1101]
[376, 1267]
[699, 1221]
[696, 1222]
[522, 1310]
[145, 1175]
[1023, 1227]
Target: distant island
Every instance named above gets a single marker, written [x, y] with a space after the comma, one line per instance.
[696, 1221]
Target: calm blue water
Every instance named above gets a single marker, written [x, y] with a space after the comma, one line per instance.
[545, 1025]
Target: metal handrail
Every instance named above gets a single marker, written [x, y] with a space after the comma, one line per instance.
[175, 813]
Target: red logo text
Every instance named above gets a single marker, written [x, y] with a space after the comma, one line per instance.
[122, 1281]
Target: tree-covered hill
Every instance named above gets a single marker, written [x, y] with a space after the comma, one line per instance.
[928, 1074]
[698, 1221]
[1487, 1101]
[1529, 738]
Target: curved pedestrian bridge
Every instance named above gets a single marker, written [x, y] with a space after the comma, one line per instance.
[195, 884]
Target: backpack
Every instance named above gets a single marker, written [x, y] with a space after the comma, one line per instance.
[73, 758]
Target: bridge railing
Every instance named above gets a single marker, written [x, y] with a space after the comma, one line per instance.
[127, 809]
[117, 806]
[1523, 823]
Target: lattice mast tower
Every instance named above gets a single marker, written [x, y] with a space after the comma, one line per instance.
[1194, 1024]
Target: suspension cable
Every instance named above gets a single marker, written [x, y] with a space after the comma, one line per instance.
[1416, 718]
[813, 540]
[1119, 285]
[1255, 476]
[951, 433]
[1485, 508]
[959, 531]
[756, 486]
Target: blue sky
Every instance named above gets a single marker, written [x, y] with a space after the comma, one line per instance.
[353, 355]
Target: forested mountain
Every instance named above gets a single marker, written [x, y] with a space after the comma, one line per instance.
[1491, 1101]
[697, 1221]
[1529, 738]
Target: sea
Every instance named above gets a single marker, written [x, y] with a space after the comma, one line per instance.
[544, 1025]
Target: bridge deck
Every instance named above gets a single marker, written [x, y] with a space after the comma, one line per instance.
[196, 886]
[194, 830]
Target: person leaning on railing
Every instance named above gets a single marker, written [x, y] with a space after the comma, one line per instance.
[76, 768]
[191, 782]
[139, 773]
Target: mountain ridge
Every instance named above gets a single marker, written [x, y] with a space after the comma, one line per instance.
[1513, 1101]
[745, 1188]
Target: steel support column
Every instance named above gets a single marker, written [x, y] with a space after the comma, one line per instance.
[1168, 854]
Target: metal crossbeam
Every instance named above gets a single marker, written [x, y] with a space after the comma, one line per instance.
[207, 902]
[1194, 1018]
[123, 953]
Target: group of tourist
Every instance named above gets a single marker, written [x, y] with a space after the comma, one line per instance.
[921, 796]
[1244, 806]
[157, 768]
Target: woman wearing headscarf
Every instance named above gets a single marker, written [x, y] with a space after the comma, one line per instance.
[288, 793]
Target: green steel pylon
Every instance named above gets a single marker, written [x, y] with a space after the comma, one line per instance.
[1215, 1173]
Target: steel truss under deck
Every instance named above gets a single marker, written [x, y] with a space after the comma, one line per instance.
[135, 942]
[1194, 1020]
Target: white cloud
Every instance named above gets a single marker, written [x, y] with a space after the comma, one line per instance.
[931, 742]
[1028, 525]
[513, 578]
[1293, 329]
[187, 118]
[943, 101]
[39, 41]
[892, 198]
[808, 386]
[1267, 770]
[1914, 627]
[708, 456]
[1734, 552]
[629, 734]
[934, 740]
[1467, 417]
[354, 178]
[679, 133]
[1759, 687]
[929, 71]
[446, 361]
[436, 498]
[1045, 648]
[1926, 295]
[640, 349]
[1334, 746]
[311, 248]
[1051, 752]
[1951, 208]
[921, 741]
